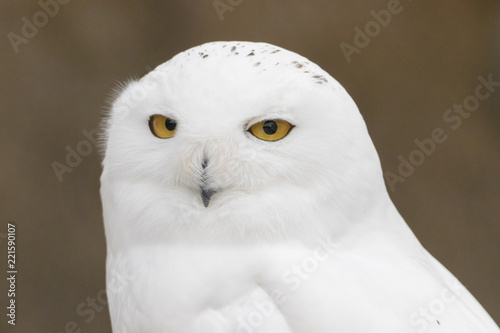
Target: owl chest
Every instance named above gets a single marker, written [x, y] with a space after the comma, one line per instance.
[181, 287]
[188, 288]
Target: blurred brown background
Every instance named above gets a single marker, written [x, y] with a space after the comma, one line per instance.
[57, 84]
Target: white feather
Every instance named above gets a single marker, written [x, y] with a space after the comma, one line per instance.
[300, 236]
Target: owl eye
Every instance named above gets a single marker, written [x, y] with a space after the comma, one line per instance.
[271, 130]
[162, 127]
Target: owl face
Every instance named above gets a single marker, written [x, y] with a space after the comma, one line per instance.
[230, 128]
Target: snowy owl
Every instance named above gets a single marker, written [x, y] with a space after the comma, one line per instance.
[242, 193]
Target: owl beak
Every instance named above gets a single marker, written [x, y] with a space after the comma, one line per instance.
[206, 193]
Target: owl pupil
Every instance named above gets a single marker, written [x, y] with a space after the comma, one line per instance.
[270, 127]
[170, 124]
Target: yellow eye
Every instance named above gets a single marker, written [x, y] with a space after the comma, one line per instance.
[271, 130]
[162, 127]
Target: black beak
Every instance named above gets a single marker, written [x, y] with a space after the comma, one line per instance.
[205, 193]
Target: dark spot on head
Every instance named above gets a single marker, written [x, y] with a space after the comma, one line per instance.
[223, 46]
[275, 51]
[236, 53]
[320, 78]
[233, 49]
[206, 55]
[257, 64]
[250, 54]
[277, 63]
[438, 322]
[297, 64]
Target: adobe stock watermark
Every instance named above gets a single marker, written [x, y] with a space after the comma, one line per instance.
[223, 6]
[452, 117]
[30, 28]
[293, 279]
[88, 309]
[75, 154]
[428, 315]
[12, 265]
[138, 91]
[363, 37]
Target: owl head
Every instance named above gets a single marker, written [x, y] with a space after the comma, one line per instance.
[235, 141]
